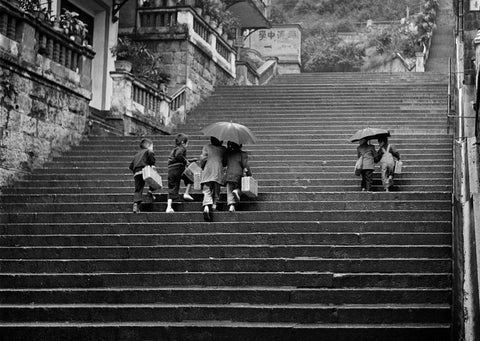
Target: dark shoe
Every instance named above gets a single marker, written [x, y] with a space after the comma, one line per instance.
[136, 208]
[207, 214]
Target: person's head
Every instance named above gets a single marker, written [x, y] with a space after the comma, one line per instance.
[362, 141]
[382, 141]
[234, 146]
[146, 144]
[215, 141]
[181, 139]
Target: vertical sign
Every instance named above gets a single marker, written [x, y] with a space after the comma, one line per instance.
[474, 5]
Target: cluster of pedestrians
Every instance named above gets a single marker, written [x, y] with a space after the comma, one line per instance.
[221, 166]
[367, 155]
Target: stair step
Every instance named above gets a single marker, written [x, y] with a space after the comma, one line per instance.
[224, 295]
[265, 196]
[432, 215]
[224, 251]
[220, 330]
[313, 279]
[292, 313]
[258, 238]
[242, 206]
[300, 226]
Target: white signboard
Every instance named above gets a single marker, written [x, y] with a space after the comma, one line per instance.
[281, 41]
[474, 5]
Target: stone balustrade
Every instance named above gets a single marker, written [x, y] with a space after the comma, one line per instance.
[45, 81]
[178, 100]
[247, 75]
[139, 108]
[175, 21]
[21, 27]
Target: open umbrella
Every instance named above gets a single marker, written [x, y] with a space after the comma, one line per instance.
[229, 131]
[369, 133]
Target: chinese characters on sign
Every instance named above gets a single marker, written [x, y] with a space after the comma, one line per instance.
[280, 34]
[282, 41]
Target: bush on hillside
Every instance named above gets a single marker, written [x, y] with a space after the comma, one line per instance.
[329, 53]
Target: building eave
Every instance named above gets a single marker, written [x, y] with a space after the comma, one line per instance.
[249, 15]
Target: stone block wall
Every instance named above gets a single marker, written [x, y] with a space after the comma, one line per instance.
[38, 120]
[190, 65]
[204, 74]
[43, 104]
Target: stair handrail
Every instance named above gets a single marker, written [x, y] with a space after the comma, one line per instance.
[178, 98]
[449, 96]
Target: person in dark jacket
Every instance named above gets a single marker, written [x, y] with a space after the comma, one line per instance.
[368, 153]
[387, 161]
[177, 161]
[145, 157]
[236, 162]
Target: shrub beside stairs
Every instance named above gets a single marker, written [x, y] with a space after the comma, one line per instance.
[312, 258]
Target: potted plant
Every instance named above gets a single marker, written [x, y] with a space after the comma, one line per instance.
[151, 69]
[34, 7]
[55, 22]
[30, 6]
[72, 26]
[127, 51]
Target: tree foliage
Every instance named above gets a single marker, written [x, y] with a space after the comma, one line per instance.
[322, 20]
[327, 52]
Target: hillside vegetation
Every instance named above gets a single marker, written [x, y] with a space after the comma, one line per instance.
[323, 49]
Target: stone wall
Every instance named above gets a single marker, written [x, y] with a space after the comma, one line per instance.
[43, 104]
[204, 74]
[39, 120]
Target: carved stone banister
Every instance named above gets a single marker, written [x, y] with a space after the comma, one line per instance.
[138, 107]
[172, 22]
[47, 42]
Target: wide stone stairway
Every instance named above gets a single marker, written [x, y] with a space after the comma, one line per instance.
[312, 258]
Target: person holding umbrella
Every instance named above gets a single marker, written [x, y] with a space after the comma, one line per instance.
[367, 153]
[211, 161]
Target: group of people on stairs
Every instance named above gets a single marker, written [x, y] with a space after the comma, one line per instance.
[221, 166]
[368, 156]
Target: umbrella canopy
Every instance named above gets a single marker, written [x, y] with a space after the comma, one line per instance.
[369, 133]
[229, 131]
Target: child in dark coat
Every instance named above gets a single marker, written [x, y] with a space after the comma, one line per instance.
[177, 161]
[145, 157]
[236, 161]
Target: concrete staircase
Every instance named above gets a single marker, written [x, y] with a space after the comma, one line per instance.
[312, 258]
[443, 42]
